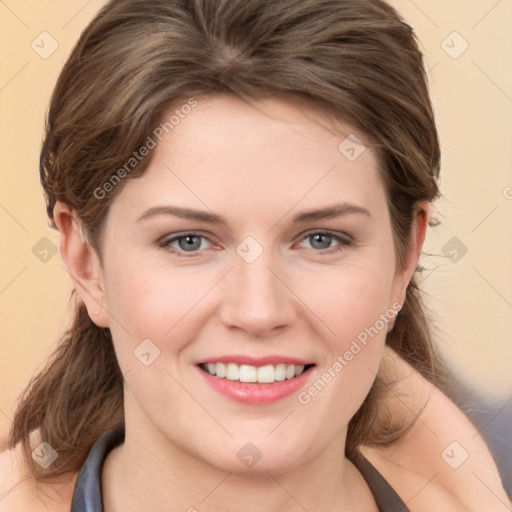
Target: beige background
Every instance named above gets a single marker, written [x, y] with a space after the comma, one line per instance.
[471, 299]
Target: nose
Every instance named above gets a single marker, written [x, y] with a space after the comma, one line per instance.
[257, 299]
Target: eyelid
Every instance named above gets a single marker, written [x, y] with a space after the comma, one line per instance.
[165, 241]
[339, 234]
[344, 240]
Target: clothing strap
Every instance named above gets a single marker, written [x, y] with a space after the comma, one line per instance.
[386, 498]
[87, 493]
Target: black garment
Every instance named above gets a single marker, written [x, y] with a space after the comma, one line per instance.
[87, 493]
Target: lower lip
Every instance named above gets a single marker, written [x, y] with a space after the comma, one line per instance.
[255, 393]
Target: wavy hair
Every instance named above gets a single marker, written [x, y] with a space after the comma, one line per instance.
[355, 60]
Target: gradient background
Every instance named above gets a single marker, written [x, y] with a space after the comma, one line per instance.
[469, 293]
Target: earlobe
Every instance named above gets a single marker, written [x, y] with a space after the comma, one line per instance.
[82, 263]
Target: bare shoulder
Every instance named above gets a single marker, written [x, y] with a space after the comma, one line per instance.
[19, 492]
[442, 463]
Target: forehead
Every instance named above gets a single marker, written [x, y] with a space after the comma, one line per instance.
[273, 154]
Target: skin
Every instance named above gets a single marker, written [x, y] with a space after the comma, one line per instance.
[182, 437]
[291, 301]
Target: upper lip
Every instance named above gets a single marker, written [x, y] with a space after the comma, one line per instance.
[255, 361]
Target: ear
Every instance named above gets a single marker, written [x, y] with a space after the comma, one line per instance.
[417, 235]
[82, 262]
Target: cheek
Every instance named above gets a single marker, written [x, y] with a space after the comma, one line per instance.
[350, 301]
[159, 312]
[354, 306]
[149, 302]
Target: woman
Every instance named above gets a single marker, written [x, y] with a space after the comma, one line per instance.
[242, 192]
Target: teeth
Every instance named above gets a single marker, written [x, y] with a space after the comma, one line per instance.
[220, 369]
[247, 373]
[232, 371]
[280, 372]
[266, 374]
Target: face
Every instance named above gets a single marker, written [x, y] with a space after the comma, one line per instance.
[214, 263]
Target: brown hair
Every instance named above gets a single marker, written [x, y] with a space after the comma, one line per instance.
[356, 60]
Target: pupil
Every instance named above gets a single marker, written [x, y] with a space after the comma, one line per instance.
[189, 242]
[318, 238]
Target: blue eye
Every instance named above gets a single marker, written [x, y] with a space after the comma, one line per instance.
[321, 240]
[187, 243]
[190, 244]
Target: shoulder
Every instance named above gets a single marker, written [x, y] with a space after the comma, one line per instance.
[442, 462]
[19, 491]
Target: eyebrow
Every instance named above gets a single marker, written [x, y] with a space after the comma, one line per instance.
[336, 210]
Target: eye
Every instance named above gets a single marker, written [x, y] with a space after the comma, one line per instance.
[184, 243]
[321, 240]
[190, 244]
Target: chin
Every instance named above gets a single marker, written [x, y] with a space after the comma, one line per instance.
[258, 464]
[259, 456]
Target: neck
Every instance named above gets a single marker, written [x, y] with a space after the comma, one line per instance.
[148, 472]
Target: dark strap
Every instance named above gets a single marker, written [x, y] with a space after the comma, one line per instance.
[386, 498]
[87, 493]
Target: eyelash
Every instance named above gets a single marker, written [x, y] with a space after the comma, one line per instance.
[343, 243]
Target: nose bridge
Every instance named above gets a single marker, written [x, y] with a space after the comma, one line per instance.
[257, 300]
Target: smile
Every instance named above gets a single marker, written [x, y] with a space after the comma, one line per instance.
[267, 374]
[256, 381]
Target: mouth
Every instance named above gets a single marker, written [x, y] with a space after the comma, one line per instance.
[267, 374]
[255, 382]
